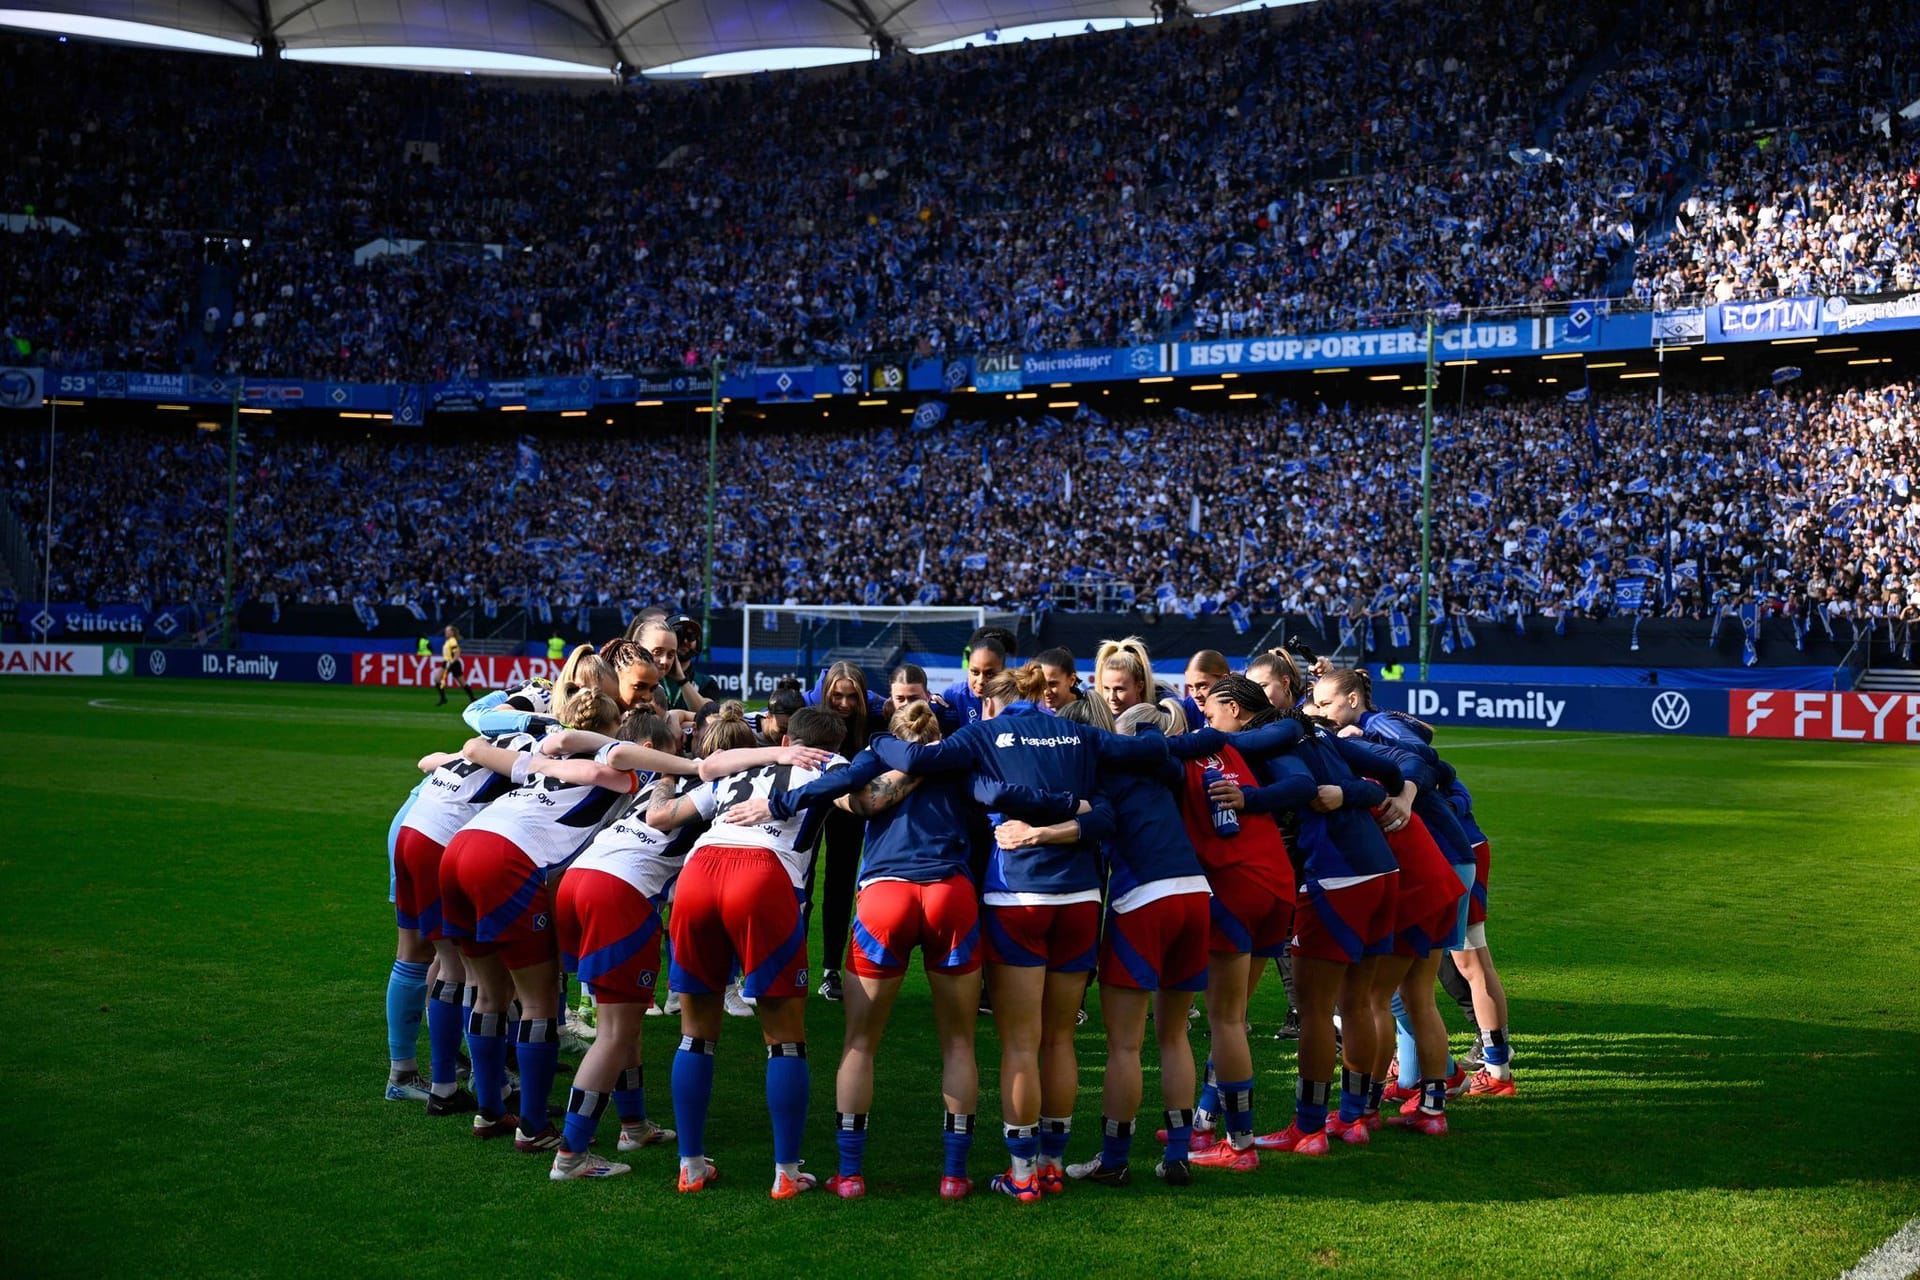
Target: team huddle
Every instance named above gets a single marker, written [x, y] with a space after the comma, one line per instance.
[1024, 833]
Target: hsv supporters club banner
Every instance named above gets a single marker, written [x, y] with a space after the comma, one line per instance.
[483, 671]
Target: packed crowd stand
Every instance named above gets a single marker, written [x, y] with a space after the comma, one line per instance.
[1342, 167]
[1784, 500]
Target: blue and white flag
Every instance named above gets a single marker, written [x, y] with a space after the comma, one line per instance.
[929, 415]
[1398, 631]
[1784, 374]
[1630, 593]
[975, 562]
[1578, 395]
[1639, 485]
[1467, 640]
[1479, 500]
[1643, 565]
[1242, 620]
[1086, 414]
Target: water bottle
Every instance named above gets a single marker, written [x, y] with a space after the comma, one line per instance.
[1226, 823]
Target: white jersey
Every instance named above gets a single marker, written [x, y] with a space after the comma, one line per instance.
[550, 820]
[459, 789]
[792, 840]
[645, 857]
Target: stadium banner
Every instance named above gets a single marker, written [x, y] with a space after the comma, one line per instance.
[655, 384]
[997, 371]
[79, 621]
[1094, 364]
[1824, 717]
[1608, 709]
[886, 377]
[543, 395]
[22, 388]
[483, 671]
[1877, 314]
[50, 660]
[1496, 339]
[228, 664]
[772, 385]
[1768, 319]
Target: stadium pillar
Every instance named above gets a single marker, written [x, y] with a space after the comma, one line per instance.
[1426, 510]
[713, 482]
[1659, 450]
[46, 559]
[233, 490]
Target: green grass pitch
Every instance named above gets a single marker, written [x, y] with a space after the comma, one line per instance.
[1710, 948]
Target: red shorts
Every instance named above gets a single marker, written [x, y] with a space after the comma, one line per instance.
[1161, 946]
[893, 917]
[495, 900]
[734, 909]
[416, 882]
[1061, 939]
[1347, 924]
[1250, 915]
[1482, 861]
[1427, 898]
[609, 934]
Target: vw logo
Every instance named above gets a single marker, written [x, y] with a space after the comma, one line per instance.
[157, 662]
[1671, 710]
[324, 668]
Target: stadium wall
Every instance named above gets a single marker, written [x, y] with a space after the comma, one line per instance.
[1803, 714]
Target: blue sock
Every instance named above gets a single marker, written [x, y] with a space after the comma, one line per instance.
[692, 1093]
[1237, 1097]
[788, 1083]
[539, 1049]
[1209, 1092]
[1403, 1046]
[406, 992]
[630, 1097]
[1179, 1135]
[1310, 1104]
[1116, 1142]
[584, 1110]
[1494, 1049]
[446, 1019]
[851, 1131]
[1353, 1093]
[1023, 1144]
[957, 1137]
[1054, 1134]
[487, 1038]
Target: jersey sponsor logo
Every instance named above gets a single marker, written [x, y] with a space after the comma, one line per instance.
[1671, 710]
[1010, 739]
[1826, 717]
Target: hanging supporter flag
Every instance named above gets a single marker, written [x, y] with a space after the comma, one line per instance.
[1467, 639]
[1784, 374]
[413, 607]
[1319, 618]
[1799, 633]
[1193, 515]
[929, 415]
[1398, 632]
[1446, 640]
[1370, 639]
[22, 388]
[1242, 620]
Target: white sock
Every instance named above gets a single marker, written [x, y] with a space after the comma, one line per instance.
[694, 1165]
[399, 1069]
[1023, 1168]
[789, 1167]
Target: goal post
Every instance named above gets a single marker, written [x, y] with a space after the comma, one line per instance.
[801, 640]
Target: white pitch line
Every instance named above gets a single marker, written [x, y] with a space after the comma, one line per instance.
[312, 716]
[1542, 742]
[1897, 1259]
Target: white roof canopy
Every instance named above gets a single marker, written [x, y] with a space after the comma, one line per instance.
[640, 34]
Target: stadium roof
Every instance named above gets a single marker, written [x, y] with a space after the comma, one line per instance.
[591, 35]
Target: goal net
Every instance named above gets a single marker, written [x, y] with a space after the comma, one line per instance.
[803, 640]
